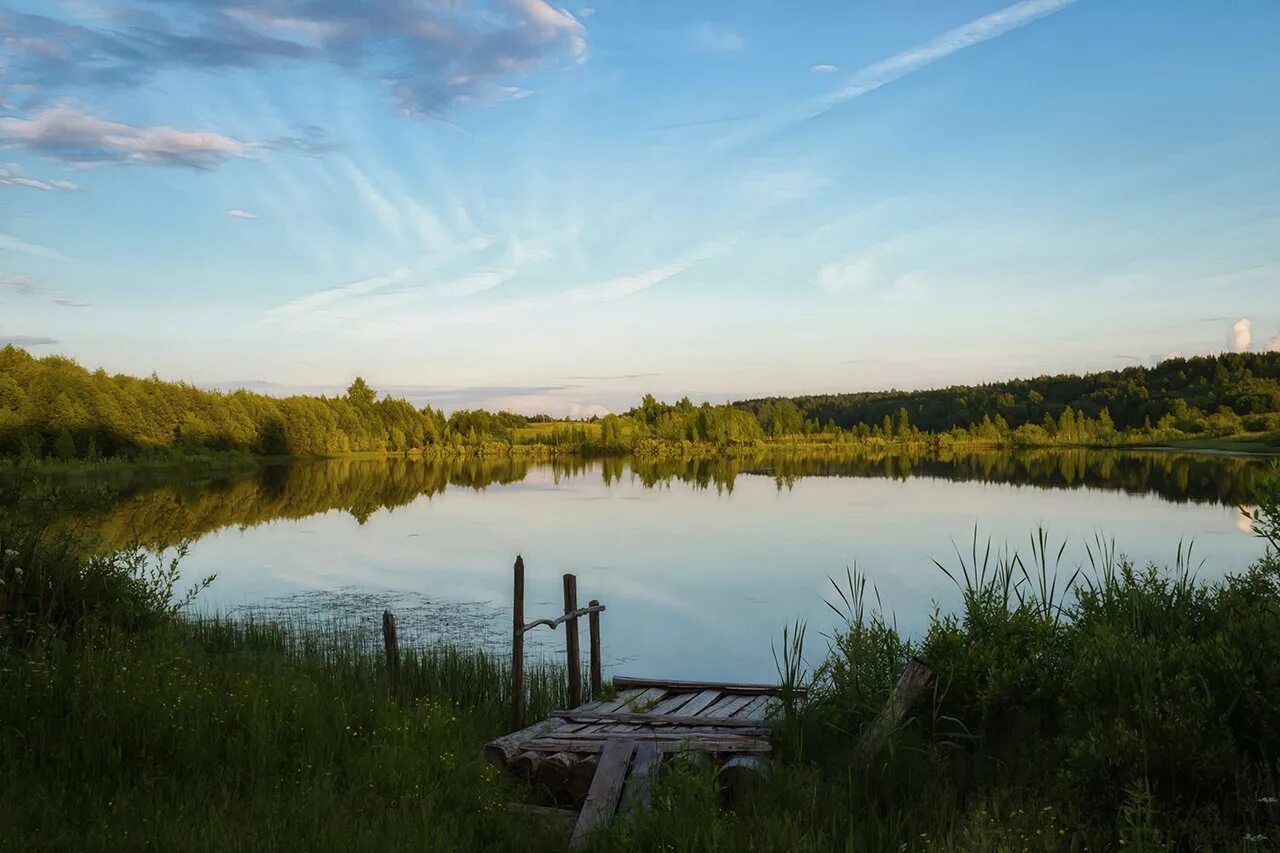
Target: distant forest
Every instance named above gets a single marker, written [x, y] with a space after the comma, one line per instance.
[53, 408]
[1222, 394]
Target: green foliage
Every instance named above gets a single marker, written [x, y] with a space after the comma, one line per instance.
[1216, 395]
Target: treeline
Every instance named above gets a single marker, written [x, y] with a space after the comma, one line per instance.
[1204, 395]
[53, 407]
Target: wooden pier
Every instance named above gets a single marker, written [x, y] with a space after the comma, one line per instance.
[597, 756]
[594, 760]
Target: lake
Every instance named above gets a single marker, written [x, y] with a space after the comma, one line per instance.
[701, 564]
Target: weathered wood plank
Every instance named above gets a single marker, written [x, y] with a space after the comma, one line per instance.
[625, 681]
[645, 697]
[665, 742]
[605, 705]
[646, 734]
[910, 684]
[735, 722]
[756, 710]
[606, 789]
[636, 797]
[698, 703]
[672, 703]
[725, 707]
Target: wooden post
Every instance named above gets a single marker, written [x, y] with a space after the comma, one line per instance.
[571, 641]
[912, 681]
[392, 644]
[593, 624]
[517, 648]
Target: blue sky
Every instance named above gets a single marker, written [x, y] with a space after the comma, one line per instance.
[555, 208]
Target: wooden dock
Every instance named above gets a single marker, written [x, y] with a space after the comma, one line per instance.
[597, 757]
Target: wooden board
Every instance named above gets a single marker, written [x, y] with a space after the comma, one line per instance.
[606, 790]
[673, 684]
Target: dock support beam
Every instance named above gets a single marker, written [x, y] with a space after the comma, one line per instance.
[593, 623]
[571, 641]
[517, 648]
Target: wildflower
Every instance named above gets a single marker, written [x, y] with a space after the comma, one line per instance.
[1253, 839]
[1268, 800]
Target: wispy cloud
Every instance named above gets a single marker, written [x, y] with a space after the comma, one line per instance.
[26, 340]
[21, 283]
[434, 57]
[625, 285]
[78, 137]
[1273, 345]
[477, 282]
[316, 302]
[977, 31]
[240, 213]
[69, 302]
[712, 37]
[1241, 335]
[824, 68]
[11, 176]
[10, 243]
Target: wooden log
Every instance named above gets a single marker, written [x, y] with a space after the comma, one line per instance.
[606, 790]
[621, 681]
[502, 751]
[571, 641]
[742, 774]
[593, 626]
[525, 766]
[736, 722]
[392, 645]
[543, 814]
[552, 775]
[517, 647]
[913, 680]
[580, 776]
[636, 798]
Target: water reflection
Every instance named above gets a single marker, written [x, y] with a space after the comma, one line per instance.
[162, 513]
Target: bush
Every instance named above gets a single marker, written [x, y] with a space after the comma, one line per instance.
[54, 583]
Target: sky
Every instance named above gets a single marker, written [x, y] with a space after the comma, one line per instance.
[559, 208]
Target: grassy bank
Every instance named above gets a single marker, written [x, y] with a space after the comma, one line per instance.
[1117, 707]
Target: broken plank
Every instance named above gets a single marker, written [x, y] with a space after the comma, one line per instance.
[606, 789]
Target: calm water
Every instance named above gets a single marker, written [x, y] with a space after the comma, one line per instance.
[700, 564]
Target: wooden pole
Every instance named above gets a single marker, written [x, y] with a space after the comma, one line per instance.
[517, 648]
[571, 641]
[593, 624]
[914, 679]
[392, 644]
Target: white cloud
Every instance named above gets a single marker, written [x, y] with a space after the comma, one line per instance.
[1273, 345]
[77, 137]
[1241, 334]
[26, 341]
[239, 213]
[823, 68]
[589, 410]
[11, 176]
[875, 271]
[625, 285]
[317, 302]
[476, 282]
[9, 243]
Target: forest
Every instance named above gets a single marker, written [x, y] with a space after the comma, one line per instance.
[53, 408]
